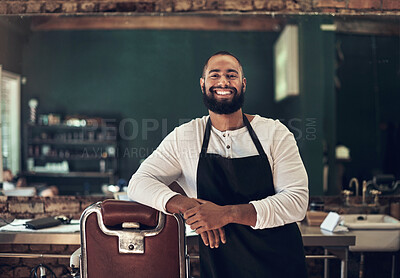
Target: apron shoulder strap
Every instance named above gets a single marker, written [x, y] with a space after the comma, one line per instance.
[254, 137]
[206, 138]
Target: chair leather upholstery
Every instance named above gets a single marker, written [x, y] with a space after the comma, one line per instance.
[116, 212]
[161, 256]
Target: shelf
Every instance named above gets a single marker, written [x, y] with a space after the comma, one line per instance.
[68, 127]
[71, 142]
[70, 174]
[91, 153]
[71, 158]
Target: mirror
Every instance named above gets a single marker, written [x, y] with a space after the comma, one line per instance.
[124, 82]
[368, 98]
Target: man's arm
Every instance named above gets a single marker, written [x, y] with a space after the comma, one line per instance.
[149, 185]
[209, 216]
[288, 205]
[290, 202]
[181, 204]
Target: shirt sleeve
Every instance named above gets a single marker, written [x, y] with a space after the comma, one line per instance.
[290, 202]
[149, 185]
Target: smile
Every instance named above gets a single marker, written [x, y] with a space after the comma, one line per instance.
[223, 92]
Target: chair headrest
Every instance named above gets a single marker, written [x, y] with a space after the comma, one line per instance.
[116, 212]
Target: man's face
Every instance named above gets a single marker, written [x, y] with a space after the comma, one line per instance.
[223, 85]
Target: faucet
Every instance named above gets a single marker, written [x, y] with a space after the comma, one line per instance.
[365, 185]
[347, 194]
[355, 181]
[364, 191]
[376, 193]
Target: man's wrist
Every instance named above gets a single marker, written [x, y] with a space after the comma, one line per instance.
[179, 204]
[242, 214]
[232, 214]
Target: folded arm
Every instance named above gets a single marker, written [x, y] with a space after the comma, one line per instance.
[290, 202]
[148, 186]
[182, 204]
[288, 205]
[209, 216]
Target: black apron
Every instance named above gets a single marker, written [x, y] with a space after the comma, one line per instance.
[274, 252]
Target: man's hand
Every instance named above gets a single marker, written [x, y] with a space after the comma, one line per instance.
[181, 204]
[207, 216]
[213, 238]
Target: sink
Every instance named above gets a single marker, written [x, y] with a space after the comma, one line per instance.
[370, 222]
[357, 209]
[374, 232]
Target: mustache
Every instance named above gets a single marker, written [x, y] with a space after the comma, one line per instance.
[213, 88]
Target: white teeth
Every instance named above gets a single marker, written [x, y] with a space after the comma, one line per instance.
[223, 93]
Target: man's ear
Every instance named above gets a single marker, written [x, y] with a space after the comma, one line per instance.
[202, 84]
[244, 83]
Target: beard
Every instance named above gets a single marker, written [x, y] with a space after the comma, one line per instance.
[223, 106]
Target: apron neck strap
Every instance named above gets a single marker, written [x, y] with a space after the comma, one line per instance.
[206, 138]
[253, 136]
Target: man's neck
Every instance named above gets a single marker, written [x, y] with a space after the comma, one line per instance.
[224, 122]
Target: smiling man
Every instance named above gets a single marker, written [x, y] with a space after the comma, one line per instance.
[245, 183]
[222, 95]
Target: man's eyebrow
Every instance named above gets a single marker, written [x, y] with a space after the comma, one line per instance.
[217, 70]
[214, 70]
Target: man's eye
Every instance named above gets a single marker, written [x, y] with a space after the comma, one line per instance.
[214, 76]
[232, 76]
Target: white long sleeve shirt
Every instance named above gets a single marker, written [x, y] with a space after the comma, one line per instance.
[177, 157]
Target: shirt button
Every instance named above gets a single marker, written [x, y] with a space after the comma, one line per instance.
[228, 147]
[223, 134]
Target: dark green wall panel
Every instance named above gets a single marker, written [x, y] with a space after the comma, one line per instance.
[139, 76]
[368, 101]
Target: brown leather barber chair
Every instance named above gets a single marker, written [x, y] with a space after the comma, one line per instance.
[127, 239]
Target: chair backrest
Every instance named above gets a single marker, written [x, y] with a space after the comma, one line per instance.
[127, 239]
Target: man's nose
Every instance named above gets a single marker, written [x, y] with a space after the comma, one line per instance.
[223, 81]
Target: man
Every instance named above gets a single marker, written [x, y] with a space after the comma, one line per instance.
[244, 178]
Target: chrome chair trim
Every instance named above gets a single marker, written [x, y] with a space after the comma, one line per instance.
[132, 240]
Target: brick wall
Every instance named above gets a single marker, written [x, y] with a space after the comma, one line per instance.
[350, 7]
[36, 207]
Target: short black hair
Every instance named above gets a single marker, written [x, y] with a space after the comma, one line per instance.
[222, 52]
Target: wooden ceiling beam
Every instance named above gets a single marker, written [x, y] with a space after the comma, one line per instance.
[202, 23]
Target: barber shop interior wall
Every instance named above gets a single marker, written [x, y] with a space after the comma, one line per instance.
[148, 80]
[368, 99]
[12, 40]
[310, 115]
[350, 86]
